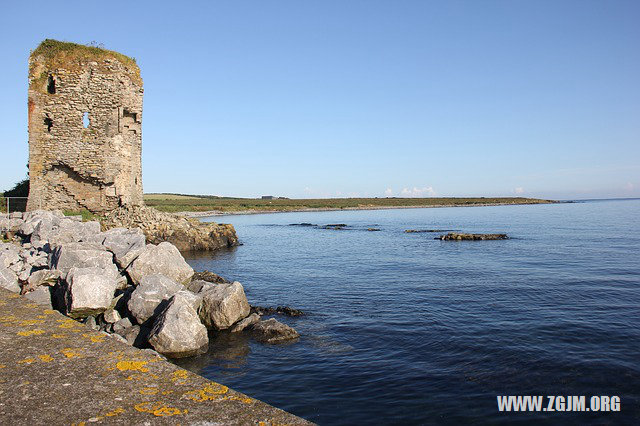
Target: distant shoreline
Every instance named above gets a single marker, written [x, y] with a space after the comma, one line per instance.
[215, 213]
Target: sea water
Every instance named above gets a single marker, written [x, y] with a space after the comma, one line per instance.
[403, 328]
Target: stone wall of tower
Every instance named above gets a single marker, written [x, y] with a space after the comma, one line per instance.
[73, 167]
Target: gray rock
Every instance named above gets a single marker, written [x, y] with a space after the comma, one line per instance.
[196, 286]
[111, 316]
[125, 244]
[43, 219]
[149, 294]
[247, 322]
[121, 326]
[178, 332]
[43, 277]
[273, 331]
[88, 291]
[24, 275]
[91, 322]
[223, 305]
[82, 255]
[41, 295]
[118, 338]
[9, 254]
[162, 259]
[66, 230]
[8, 279]
[137, 335]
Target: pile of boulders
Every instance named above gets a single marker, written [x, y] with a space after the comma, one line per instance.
[144, 294]
[184, 233]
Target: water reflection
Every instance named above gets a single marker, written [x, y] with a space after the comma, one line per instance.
[228, 353]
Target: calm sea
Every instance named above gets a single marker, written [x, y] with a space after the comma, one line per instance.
[401, 328]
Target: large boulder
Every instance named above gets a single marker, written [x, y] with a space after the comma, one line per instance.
[9, 254]
[125, 244]
[88, 291]
[63, 231]
[149, 294]
[273, 331]
[8, 279]
[162, 259]
[43, 219]
[178, 332]
[82, 255]
[223, 305]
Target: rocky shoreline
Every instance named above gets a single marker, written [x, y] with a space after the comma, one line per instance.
[137, 292]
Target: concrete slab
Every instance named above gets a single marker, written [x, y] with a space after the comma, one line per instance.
[54, 370]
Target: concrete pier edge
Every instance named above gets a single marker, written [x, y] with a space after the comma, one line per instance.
[55, 371]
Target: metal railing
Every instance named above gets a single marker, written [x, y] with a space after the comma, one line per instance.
[13, 204]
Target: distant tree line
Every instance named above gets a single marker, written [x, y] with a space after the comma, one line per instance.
[20, 189]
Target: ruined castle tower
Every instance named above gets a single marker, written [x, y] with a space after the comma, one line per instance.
[85, 139]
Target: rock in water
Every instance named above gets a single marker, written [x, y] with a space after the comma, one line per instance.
[88, 291]
[456, 236]
[247, 322]
[152, 291]
[178, 332]
[273, 331]
[162, 259]
[223, 305]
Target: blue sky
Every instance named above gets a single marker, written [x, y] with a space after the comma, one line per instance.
[335, 98]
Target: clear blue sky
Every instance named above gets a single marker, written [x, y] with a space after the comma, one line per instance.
[334, 98]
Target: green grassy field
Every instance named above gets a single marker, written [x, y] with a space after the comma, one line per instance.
[195, 203]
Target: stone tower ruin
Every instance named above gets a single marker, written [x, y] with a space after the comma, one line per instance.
[85, 139]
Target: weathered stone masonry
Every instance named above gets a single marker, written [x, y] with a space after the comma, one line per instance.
[74, 164]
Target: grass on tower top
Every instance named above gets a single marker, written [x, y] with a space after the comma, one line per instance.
[62, 54]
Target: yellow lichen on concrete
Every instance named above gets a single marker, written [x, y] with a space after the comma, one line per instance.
[158, 409]
[49, 312]
[69, 324]
[149, 391]
[243, 399]
[45, 358]
[27, 361]
[95, 338]
[115, 412]
[31, 322]
[132, 366]
[211, 391]
[30, 332]
[71, 353]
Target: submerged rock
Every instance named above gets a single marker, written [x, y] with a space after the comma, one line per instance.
[455, 236]
[273, 331]
[419, 231]
[223, 305]
[247, 322]
[209, 277]
[178, 332]
[162, 259]
[283, 310]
